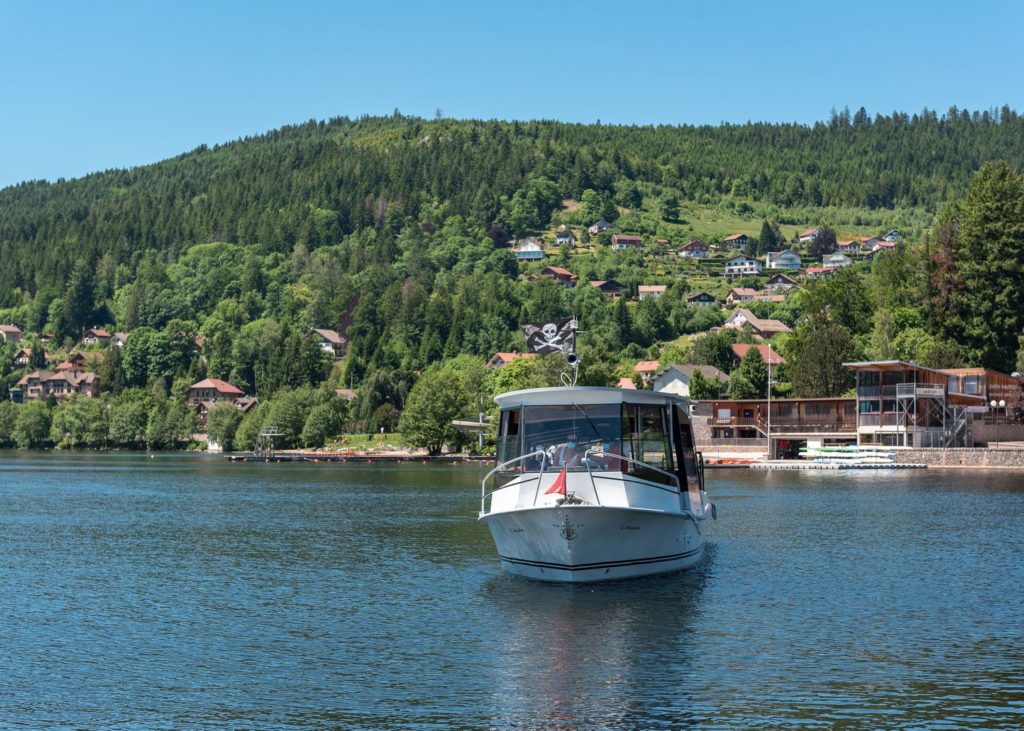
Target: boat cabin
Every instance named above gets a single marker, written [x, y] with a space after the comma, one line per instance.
[643, 434]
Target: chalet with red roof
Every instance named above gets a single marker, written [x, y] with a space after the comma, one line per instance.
[560, 275]
[95, 336]
[740, 294]
[621, 242]
[696, 249]
[768, 355]
[213, 389]
[809, 235]
[500, 360]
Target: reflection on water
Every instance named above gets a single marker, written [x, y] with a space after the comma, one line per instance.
[569, 655]
[186, 592]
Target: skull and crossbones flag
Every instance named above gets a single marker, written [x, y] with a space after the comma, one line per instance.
[557, 336]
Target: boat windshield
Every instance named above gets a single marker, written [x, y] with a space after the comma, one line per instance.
[565, 432]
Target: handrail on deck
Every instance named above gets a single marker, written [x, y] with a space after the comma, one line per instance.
[544, 458]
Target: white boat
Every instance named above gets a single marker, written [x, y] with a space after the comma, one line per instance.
[595, 484]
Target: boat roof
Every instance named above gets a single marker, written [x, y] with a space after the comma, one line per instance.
[584, 395]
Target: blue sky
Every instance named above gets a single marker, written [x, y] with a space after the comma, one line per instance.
[93, 85]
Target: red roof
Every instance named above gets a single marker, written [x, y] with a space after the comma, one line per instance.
[97, 332]
[559, 271]
[741, 349]
[734, 237]
[647, 366]
[627, 383]
[217, 384]
[810, 231]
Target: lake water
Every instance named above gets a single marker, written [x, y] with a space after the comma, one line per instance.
[186, 592]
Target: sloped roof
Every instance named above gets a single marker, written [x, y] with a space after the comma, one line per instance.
[219, 385]
[741, 350]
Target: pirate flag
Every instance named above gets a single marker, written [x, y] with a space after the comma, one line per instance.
[558, 336]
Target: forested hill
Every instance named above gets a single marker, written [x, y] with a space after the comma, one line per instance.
[314, 184]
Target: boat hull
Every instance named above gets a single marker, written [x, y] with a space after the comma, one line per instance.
[585, 543]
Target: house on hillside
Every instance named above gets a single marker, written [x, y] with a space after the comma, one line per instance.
[779, 283]
[209, 392]
[599, 227]
[787, 259]
[330, 341]
[500, 360]
[95, 336]
[118, 339]
[41, 385]
[626, 384]
[560, 275]
[609, 288]
[809, 235]
[837, 260]
[764, 328]
[768, 354]
[819, 272]
[213, 390]
[10, 333]
[740, 294]
[676, 378]
[646, 370]
[702, 299]
[736, 241]
[24, 356]
[652, 291]
[739, 266]
[620, 242]
[528, 250]
[894, 236]
[696, 249]
[76, 362]
[849, 248]
[565, 238]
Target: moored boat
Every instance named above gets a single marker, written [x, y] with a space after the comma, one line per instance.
[595, 484]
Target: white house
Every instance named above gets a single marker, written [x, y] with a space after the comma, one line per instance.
[741, 266]
[808, 235]
[696, 249]
[565, 238]
[741, 318]
[598, 227]
[330, 341]
[528, 250]
[837, 260]
[676, 378]
[782, 260]
[779, 283]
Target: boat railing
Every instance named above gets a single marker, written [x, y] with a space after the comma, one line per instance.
[673, 479]
[545, 461]
[540, 454]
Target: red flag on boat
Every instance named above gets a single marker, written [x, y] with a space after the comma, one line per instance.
[558, 486]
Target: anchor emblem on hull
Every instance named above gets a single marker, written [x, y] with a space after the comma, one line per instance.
[568, 528]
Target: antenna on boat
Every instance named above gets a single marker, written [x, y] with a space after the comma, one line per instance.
[571, 359]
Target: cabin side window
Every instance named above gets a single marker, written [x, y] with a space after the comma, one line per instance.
[509, 436]
[645, 438]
